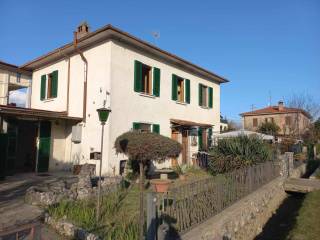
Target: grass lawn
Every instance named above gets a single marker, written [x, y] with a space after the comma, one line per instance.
[307, 224]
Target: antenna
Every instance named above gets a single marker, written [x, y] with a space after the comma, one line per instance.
[270, 98]
[252, 107]
[156, 36]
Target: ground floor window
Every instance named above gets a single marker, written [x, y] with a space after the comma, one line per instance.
[146, 127]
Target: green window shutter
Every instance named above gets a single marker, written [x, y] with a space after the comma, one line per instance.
[200, 139]
[43, 87]
[156, 82]
[54, 84]
[174, 87]
[210, 97]
[136, 126]
[200, 94]
[156, 128]
[187, 81]
[137, 76]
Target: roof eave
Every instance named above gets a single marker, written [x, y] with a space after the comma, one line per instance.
[110, 32]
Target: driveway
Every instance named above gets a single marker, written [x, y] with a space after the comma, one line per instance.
[14, 212]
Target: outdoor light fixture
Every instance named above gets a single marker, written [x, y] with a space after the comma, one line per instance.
[103, 114]
[103, 117]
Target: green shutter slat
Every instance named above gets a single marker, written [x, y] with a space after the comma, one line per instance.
[200, 94]
[156, 128]
[43, 87]
[137, 76]
[210, 97]
[156, 82]
[54, 84]
[136, 126]
[174, 87]
[200, 138]
[187, 81]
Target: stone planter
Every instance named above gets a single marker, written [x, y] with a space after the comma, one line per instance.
[161, 185]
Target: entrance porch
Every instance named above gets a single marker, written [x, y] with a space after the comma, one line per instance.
[193, 136]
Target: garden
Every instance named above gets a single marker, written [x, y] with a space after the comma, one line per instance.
[121, 215]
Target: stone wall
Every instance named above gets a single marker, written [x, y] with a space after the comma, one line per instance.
[245, 219]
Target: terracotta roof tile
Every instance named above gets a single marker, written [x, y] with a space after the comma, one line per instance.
[275, 110]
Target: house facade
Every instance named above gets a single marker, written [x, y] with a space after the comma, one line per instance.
[146, 88]
[291, 121]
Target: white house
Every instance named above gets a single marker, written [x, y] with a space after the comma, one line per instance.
[146, 88]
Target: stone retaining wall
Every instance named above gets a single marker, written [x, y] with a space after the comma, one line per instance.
[245, 219]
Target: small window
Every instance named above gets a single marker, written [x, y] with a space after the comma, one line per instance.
[180, 88]
[18, 77]
[255, 122]
[146, 79]
[288, 120]
[205, 96]
[49, 86]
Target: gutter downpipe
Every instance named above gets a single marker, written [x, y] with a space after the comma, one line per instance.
[75, 44]
[68, 83]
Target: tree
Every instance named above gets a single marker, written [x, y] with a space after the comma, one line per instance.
[305, 102]
[269, 128]
[144, 147]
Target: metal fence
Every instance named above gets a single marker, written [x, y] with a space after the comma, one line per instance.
[186, 206]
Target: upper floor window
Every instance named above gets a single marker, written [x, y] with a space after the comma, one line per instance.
[49, 86]
[180, 89]
[18, 77]
[255, 122]
[205, 96]
[146, 79]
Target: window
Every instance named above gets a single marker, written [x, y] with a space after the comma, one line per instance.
[255, 122]
[146, 79]
[272, 120]
[205, 96]
[180, 89]
[146, 127]
[49, 86]
[18, 77]
[288, 120]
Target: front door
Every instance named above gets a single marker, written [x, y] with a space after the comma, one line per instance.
[44, 147]
[184, 146]
[174, 136]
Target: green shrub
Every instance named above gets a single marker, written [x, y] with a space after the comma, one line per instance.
[269, 128]
[237, 152]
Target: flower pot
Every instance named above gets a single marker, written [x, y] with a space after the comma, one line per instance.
[182, 177]
[161, 185]
[76, 169]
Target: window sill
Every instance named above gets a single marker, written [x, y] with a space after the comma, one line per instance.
[204, 107]
[48, 100]
[147, 95]
[181, 103]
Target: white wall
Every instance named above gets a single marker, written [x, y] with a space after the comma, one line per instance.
[129, 106]
[111, 68]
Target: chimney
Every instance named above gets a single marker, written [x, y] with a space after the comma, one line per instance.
[82, 30]
[280, 105]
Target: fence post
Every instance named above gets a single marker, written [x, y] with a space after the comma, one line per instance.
[289, 157]
[151, 216]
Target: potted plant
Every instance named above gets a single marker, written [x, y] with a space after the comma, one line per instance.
[181, 170]
[145, 147]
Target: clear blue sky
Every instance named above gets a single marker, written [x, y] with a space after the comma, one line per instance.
[261, 46]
